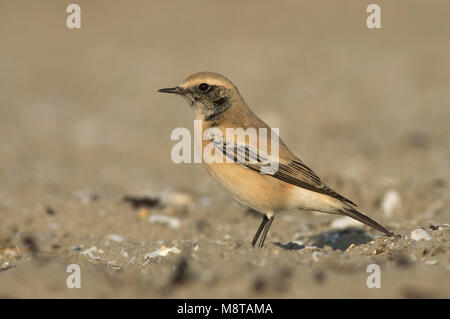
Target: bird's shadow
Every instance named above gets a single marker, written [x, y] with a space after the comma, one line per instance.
[337, 239]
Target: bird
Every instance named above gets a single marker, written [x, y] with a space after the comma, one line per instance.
[219, 105]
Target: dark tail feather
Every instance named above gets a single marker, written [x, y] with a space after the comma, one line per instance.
[350, 211]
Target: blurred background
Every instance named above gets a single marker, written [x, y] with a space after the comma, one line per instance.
[367, 109]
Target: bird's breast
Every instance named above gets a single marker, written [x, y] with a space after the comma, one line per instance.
[260, 192]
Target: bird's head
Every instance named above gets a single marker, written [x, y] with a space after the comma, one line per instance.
[209, 94]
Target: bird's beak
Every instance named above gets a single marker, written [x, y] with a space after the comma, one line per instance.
[175, 90]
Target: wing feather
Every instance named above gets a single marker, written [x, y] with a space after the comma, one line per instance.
[294, 172]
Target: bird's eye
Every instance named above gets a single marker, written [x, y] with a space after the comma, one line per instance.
[203, 87]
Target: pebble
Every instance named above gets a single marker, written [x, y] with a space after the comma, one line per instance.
[173, 222]
[345, 222]
[315, 255]
[163, 251]
[350, 247]
[143, 213]
[86, 196]
[390, 203]
[90, 253]
[419, 233]
[116, 238]
[53, 226]
[179, 200]
[299, 242]
[431, 262]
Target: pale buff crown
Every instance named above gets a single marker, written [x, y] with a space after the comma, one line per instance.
[210, 78]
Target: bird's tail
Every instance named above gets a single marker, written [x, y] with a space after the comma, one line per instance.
[352, 212]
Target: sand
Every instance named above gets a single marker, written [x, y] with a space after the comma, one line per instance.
[82, 128]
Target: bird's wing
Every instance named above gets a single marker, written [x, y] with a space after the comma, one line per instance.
[292, 171]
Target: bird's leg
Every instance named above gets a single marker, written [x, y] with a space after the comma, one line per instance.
[265, 232]
[258, 232]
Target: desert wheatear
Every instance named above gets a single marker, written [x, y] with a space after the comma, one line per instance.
[292, 185]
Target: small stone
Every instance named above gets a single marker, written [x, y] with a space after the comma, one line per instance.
[379, 250]
[173, 222]
[86, 197]
[433, 227]
[116, 238]
[315, 255]
[53, 226]
[143, 213]
[179, 199]
[163, 251]
[419, 234]
[49, 210]
[390, 203]
[300, 243]
[431, 262]
[178, 203]
[138, 202]
[90, 253]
